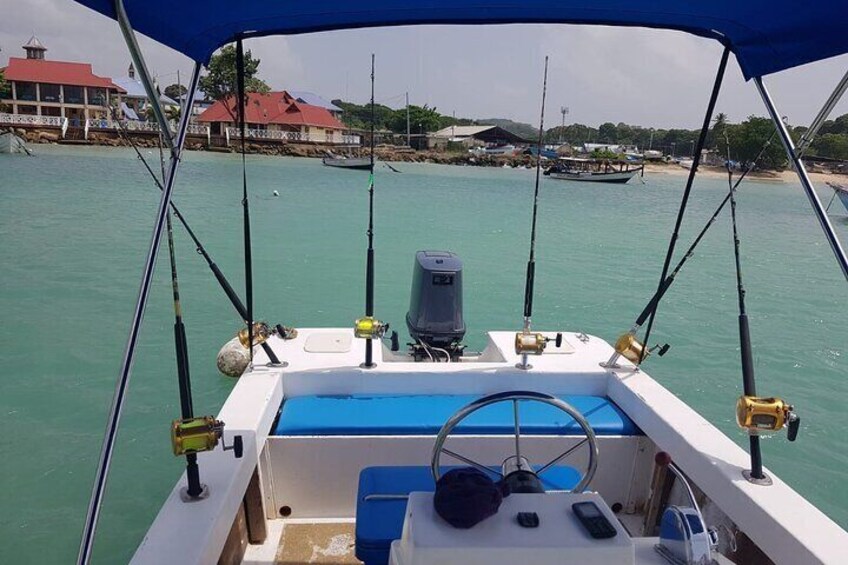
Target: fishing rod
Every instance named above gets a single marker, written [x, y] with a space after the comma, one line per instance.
[201, 250]
[628, 345]
[248, 255]
[369, 328]
[757, 415]
[525, 341]
[194, 489]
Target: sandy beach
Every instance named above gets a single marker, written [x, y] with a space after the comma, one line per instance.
[787, 175]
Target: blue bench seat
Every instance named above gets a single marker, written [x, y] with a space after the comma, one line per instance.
[380, 521]
[358, 415]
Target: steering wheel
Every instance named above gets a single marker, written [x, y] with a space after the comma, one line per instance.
[518, 463]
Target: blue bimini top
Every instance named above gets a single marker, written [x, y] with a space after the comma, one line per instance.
[766, 36]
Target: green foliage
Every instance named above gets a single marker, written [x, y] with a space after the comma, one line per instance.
[833, 145]
[605, 154]
[747, 140]
[421, 120]
[175, 91]
[5, 88]
[221, 82]
[359, 117]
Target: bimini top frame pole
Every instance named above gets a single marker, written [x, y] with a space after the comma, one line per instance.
[87, 542]
[829, 105]
[795, 158]
[138, 61]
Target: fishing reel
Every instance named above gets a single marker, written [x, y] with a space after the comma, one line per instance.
[234, 356]
[629, 347]
[528, 343]
[262, 332]
[195, 435]
[761, 415]
[369, 327]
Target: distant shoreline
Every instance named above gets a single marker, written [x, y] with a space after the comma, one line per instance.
[392, 154]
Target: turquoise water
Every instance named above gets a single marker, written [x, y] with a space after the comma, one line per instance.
[74, 227]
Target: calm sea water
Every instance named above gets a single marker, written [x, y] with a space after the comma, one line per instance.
[74, 227]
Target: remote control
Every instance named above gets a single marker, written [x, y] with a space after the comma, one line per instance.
[593, 520]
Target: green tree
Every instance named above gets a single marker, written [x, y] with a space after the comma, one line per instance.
[221, 81]
[5, 89]
[747, 140]
[833, 145]
[422, 119]
[175, 91]
[607, 133]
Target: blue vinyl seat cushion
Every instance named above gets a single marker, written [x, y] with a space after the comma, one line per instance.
[357, 415]
[380, 521]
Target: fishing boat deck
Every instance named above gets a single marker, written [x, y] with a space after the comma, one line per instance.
[312, 478]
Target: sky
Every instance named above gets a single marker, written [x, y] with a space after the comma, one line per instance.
[601, 74]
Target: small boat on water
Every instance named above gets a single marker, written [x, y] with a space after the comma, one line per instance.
[841, 192]
[595, 170]
[345, 162]
[507, 149]
[11, 143]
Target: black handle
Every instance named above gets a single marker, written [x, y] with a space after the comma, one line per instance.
[794, 424]
[558, 341]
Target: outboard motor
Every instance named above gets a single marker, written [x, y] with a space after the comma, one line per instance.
[435, 307]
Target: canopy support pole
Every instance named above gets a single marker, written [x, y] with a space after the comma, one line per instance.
[807, 139]
[141, 67]
[89, 531]
[795, 158]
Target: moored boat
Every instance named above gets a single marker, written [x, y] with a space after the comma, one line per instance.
[841, 192]
[594, 170]
[345, 162]
[11, 143]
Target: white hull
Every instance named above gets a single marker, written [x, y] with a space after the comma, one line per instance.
[315, 476]
[620, 177]
[11, 143]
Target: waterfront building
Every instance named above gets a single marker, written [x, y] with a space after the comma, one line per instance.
[39, 87]
[135, 102]
[276, 115]
[474, 136]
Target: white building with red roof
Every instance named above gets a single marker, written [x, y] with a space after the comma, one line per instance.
[38, 87]
[276, 115]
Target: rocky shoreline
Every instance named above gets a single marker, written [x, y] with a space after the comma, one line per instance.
[385, 153]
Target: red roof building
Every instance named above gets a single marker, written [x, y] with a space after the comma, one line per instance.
[276, 112]
[56, 88]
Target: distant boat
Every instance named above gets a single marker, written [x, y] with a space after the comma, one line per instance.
[547, 152]
[494, 150]
[686, 163]
[343, 162]
[11, 143]
[594, 170]
[841, 192]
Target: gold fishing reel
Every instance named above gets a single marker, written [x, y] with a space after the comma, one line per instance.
[195, 435]
[762, 415]
[262, 332]
[629, 347]
[527, 343]
[369, 327]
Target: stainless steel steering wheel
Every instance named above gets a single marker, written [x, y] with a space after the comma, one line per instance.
[515, 397]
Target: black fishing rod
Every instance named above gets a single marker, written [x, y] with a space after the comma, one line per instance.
[748, 383]
[653, 303]
[195, 489]
[369, 258]
[201, 250]
[531, 262]
[248, 256]
[525, 341]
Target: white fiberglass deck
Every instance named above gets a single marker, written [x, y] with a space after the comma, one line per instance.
[315, 476]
